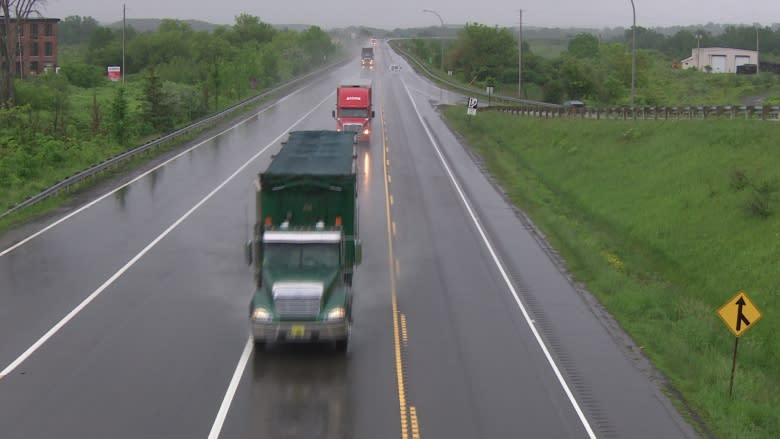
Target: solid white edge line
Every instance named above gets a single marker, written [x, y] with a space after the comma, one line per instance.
[230, 393]
[501, 269]
[95, 201]
[10, 368]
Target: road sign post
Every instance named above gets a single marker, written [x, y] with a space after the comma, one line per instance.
[471, 108]
[739, 314]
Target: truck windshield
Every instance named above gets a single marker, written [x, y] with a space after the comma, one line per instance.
[354, 112]
[301, 256]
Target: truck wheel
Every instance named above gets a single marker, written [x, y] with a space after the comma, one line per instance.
[343, 345]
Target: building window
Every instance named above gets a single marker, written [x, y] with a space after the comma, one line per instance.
[48, 50]
[34, 48]
[34, 30]
[49, 31]
[20, 29]
[34, 66]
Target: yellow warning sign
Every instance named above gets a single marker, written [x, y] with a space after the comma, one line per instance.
[739, 313]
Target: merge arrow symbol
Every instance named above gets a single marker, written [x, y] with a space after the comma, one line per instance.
[741, 317]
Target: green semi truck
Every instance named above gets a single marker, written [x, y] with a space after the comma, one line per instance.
[305, 245]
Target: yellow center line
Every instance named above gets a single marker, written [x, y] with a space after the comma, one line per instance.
[404, 332]
[415, 427]
[394, 299]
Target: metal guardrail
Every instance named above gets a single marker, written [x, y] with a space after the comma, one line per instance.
[471, 90]
[650, 113]
[113, 161]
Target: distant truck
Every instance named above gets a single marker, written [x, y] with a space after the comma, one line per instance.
[354, 108]
[367, 57]
[305, 246]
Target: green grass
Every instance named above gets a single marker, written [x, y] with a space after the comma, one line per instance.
[646, 214]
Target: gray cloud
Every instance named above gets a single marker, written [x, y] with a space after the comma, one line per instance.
[391, 14]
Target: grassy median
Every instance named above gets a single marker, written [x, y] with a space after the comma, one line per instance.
[664, 221]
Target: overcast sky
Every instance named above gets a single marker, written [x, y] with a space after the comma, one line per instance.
[390, 14]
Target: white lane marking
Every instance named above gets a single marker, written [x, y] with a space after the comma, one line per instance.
[146, 249]
[93, 202]
[501, 269]
[216, 428]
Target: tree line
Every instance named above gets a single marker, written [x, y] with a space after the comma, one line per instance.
[591, 68]
[174, 76]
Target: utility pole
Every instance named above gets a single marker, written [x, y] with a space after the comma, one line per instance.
[124, 22]
[520, 57]
[758, 63]
[698, 51]
[633, 57]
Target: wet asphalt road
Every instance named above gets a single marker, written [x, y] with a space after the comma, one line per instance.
[160, 264]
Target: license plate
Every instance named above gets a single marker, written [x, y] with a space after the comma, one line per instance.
[297, 331]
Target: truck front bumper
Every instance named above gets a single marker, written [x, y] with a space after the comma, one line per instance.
[300, 331]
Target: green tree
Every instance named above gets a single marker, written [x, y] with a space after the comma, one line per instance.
[156, 106]
[75, 29]
[584, 45]
[483, 51]
[250, 28]
[119, 117]
[83, 75]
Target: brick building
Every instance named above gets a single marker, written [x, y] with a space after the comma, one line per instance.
[34, 47]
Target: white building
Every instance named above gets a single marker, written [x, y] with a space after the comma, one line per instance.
[719, 59]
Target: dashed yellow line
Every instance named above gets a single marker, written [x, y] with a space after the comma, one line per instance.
[408, 414]
[394, 300]
[404, 332]
[415, 426]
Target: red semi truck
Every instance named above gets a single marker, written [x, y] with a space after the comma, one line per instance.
[354, 108]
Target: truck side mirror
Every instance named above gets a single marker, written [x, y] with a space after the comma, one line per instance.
[333, 114]
[373, 114]
[358, 252]
[248, 252]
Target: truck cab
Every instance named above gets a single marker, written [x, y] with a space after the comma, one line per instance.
[354, 108]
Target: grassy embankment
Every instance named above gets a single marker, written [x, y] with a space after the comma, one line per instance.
[663, 221]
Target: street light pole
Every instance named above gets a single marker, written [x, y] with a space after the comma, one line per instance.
[442, 36]
[698, 52]
[633, 56]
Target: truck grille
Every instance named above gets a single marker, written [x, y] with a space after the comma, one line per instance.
[352, 128]
[295, 307]
[297, 299]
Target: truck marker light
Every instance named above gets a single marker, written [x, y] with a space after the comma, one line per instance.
[268, 221]
[338, 221]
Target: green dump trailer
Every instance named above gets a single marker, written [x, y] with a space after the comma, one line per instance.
[305, 245]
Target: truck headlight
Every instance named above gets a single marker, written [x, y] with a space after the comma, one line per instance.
[261, 313]
[337, 313]
[365, 132]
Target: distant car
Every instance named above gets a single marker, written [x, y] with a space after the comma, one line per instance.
[395, 68]
[574, 104]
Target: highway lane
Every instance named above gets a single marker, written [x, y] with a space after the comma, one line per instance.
[152, 355]
[468, 344]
